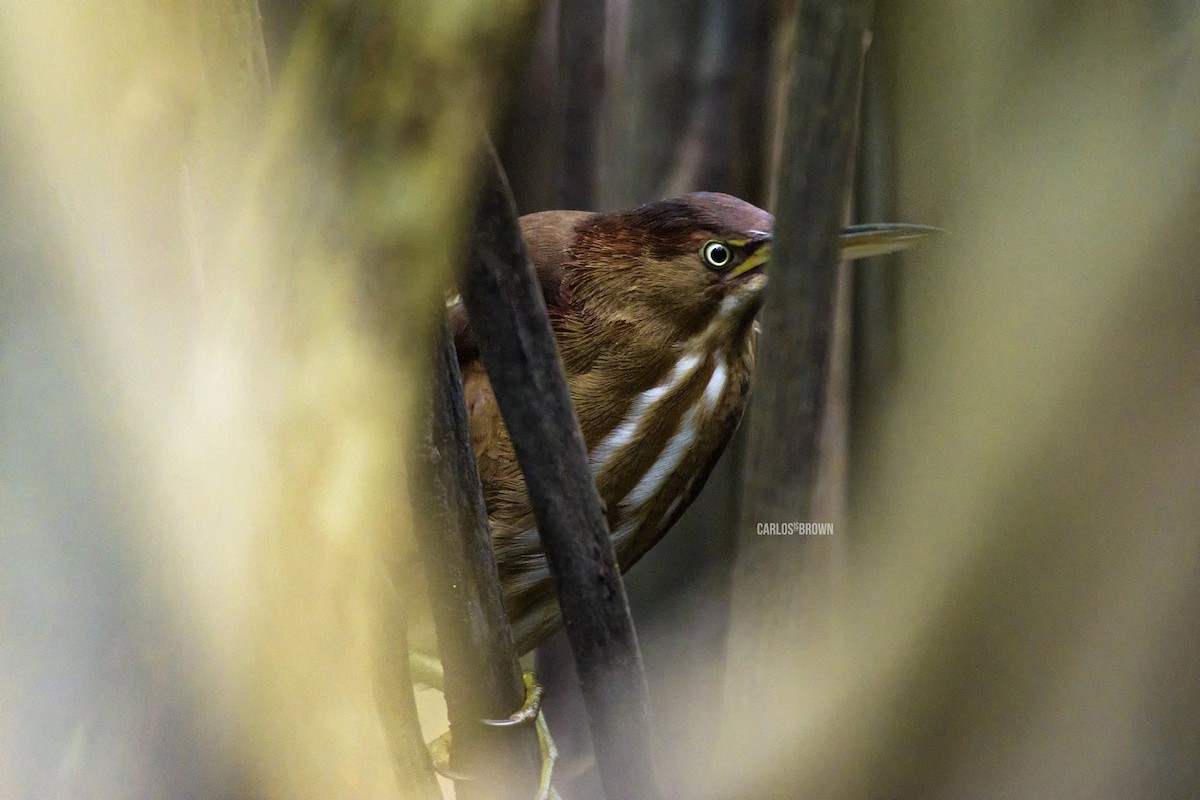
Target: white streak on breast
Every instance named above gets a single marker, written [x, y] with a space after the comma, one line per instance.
[665, 464]
[716, 385]
[621, 435]
[676, 447]
[672, 454]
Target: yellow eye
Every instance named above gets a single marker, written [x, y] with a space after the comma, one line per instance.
[717, 254]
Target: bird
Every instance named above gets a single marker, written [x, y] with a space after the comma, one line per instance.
[653, 312]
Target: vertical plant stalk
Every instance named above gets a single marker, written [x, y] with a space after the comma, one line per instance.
[363, 188]
[722, 148]
[581, 93]
[580, 98]
[475, 644]
[875, 338]
[792, 380]
[397, 709]
[651, 97]
[508, 315]
[104, 104]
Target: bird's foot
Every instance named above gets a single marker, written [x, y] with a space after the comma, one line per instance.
[428, 670]
[532, 708]
[531, 711]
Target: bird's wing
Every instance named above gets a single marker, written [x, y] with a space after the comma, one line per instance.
[547, 236]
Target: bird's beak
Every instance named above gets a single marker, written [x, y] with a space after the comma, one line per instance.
[760, 255]
[861, 241]
[858, 241]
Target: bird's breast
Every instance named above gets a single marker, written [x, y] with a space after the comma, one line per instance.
[650, 463]
[650, 448]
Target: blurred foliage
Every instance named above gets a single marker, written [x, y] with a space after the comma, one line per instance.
[231, 308]
[209, 334]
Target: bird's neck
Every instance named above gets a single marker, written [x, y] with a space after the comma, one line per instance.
[655, 407]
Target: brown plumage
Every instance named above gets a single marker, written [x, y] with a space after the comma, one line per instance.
[653, 311]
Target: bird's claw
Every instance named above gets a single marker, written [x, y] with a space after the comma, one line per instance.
[530, 711]
[439, 756]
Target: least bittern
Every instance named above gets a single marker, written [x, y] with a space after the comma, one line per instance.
[653, 311]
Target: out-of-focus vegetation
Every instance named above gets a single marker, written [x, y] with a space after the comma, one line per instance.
[215, 294]
[216, 308]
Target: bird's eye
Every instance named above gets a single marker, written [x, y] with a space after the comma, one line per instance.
[717, 255]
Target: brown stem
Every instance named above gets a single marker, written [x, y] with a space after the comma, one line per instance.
[475, 645]
[792, 379]
[508, 315]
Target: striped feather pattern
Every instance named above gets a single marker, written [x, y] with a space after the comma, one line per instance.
[658, 351]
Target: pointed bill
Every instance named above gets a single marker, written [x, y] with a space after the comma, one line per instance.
[760, 254]
[858, 241]
[862, 241]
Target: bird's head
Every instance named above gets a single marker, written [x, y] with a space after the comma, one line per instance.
[694, 265]
[675, 267]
